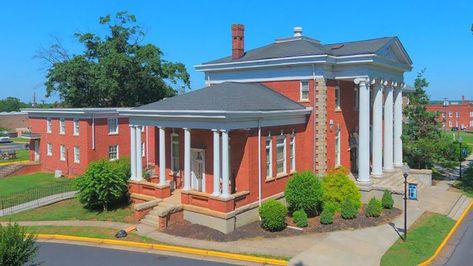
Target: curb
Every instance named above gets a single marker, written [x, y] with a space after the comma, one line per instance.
[447, 238]
[162, 247]
[9, 163]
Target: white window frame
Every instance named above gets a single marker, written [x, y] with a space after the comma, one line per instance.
[337, 98]
[62, 126]
[450, 114]
[75, 127]
[174, 167]
[292, 145]
[62, 152]
[443, 114]
[49, 149]
[471, 123]
[110, 132]
[338, 149]
[143, 151]
[303, 89]
[117, 152]
[76, 154]
[457, 114]
[284, 154]
[269, 156]
[49, 126]
[450, 124]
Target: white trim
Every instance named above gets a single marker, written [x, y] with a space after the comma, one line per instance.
[301, 85]
[279, 78]
[284, 154]
[62, 152]
[292, 147]
[76, 154]
[75, 127]
[194, 183]
[269, 161]
[172, 152]
[49, 125]
[62, 126]
[118, 153]
[116, 124]
[338, 100]
[49, 149]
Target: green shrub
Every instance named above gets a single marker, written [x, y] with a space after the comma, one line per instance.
[300, 218]
[326, 217]
[303, 191]
[273, 215]
[387, 200]
[329, 206]
[337, 187]
[348, 210]
[104, 184]
[17, 247]
[374, 208]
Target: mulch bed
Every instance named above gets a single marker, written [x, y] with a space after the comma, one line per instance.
[254, 230]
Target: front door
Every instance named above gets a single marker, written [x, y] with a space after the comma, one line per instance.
[36, 150]
[198, 169]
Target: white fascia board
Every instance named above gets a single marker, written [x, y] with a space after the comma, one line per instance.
[73, 112]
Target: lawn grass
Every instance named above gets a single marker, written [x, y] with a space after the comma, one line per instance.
[21, 155]
[422, 240]
[88, 231]
[466, 183]
[20, 140]
[23, 184]
[70, 210]
[466, 136]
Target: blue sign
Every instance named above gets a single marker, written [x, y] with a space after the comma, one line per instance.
[412, 191]
[464, 152]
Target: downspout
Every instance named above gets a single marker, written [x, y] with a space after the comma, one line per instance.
[315, 121]
[147, 147]
[259, 166]
[93, 132]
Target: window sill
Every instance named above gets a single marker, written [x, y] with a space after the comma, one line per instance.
[76, 162]
[304, 101]
[279, 176]
[113, 134]
[75, 135]
[62, 134]
[62, 160]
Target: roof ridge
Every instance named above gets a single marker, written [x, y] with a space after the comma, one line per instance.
[373, 39]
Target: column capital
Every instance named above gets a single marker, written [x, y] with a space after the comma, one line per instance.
[215, 130]
[161, 127]
[131, 125]
[362, 81]
[224, 130]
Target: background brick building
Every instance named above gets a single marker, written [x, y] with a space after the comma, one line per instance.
[454, 114]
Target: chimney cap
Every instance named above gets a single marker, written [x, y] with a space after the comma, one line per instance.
[297, 31]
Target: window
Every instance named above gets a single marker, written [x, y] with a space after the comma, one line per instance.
[76, 154]
[112, 126]
[281, 155]
[62, 126]
[293, 152]
[456, 123]
[76, 127]
[48, 126]
[62, 152]
[471, 123]
[269, 157]
[443, 114]
[337, 148]
[143, 153]
[450, 114]
[304, 90]
[49, 149]
[443, 124]
[450, 124]
[337, 98]
[457, 114]
[471, 114]
[174, 152]
[113, 152]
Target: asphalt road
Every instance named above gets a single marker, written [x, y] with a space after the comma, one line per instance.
[52, 254]
[12, 146]
[463, 252]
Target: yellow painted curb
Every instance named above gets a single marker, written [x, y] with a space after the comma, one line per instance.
[162, 247]
[17, 162]
[447, 238]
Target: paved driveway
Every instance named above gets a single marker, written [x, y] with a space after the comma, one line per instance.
[461, 244]
[53, 254]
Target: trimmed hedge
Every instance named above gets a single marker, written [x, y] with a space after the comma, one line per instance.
[326, 217]
[374, 208]
[300, 218]
[273, 215]
[348, 210]
[387, 200]
[304, 191]
[337, 187]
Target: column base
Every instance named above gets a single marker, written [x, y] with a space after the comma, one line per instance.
[388, 170]
[377, 175]
[364, 185]
[398, 165]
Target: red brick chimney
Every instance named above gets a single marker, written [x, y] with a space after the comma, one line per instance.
[238, 41]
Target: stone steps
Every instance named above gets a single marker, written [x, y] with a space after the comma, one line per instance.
[163, 209]
[457, 210]
[394, 182]
[9, 169]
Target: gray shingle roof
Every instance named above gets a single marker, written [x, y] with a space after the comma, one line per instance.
[305, 46]
[227, 96]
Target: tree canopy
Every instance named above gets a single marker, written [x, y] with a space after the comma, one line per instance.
[115, 70]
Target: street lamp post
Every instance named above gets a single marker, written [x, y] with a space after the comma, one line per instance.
[460, 141]
[405, 171]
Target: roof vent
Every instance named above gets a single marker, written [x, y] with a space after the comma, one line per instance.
[297, 31]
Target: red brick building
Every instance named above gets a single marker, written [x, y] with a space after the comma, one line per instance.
[454, 114]
[290, 106]
[69, 139]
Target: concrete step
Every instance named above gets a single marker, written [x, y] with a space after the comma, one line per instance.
[459, 207]
[149, 221]
[456, 206]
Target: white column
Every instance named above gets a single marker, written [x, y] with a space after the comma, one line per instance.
[187, 159]
[388, 129]
[216, 163]
[162, 157]
[225, 169]
[364, 131]
[133, 152]
[377, 145]
[139, 161]
[398, 127]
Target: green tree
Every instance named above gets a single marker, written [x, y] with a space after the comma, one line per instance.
[115, 70]
[17, 247]
[10, 104]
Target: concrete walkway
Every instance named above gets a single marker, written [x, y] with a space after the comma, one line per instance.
[38, 203]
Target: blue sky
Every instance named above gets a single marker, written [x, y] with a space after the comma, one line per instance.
[435, 33]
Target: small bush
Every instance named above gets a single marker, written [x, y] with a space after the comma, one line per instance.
[348, 210]
[304, 191]
[326, 217]
[387, 200]
[17, 247]
[300, 218]
[374, 208]
[273, 215]
[337, 187]
[104, 184]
